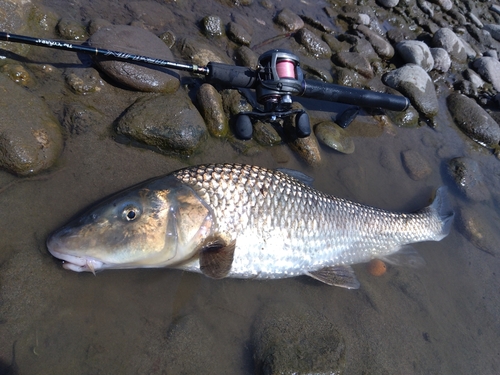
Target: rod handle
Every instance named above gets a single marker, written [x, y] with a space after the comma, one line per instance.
[231, 75]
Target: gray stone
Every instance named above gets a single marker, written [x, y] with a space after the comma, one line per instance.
[212, 110]
[151, 15]
[380, 44]
[136, 41]
[234, 102]
[442, 61]
[354, 61]
[307, 148]
[388, 3]
[445, 4]
[313, 44]
[238, 34]
[296, 341]
[247, 57]
[468, 178]
[212, 26]
[289, 20]
[451, 43]
[169, 122]
[482, 233]
[71, 30]
[199, 52]
[476, 21]
[416, 52]
[30, 136]
[333, 136]
[415, 165]
[416, 84]
[266, 134]
[474, 120]
[493, 29]
[489, 68]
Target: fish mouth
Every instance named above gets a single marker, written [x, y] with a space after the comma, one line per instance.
[78, 264]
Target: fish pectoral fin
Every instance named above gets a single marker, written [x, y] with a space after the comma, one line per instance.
[340, 275]
[216, 258]
[405, 256]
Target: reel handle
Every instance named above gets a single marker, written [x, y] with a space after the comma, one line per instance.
[348, 95]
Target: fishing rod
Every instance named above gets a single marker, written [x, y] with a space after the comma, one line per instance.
[277, 78]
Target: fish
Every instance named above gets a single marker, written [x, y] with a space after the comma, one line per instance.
[244, 221]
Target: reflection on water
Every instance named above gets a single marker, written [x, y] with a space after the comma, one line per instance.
[439, 319]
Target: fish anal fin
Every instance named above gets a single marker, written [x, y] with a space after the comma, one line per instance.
[405, 256]
[340, 275]
[216, 258]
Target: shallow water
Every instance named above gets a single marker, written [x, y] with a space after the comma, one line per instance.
[440, 319]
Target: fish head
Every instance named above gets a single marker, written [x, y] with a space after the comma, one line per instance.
[158, 223]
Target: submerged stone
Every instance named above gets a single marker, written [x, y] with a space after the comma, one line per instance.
[415, 165]
[212, 110]
[468, 178]
[333, 136]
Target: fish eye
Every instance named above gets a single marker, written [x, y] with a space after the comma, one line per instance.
[130, 213]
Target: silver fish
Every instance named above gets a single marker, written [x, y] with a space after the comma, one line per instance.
[231, 220]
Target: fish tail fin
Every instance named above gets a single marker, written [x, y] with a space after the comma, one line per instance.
[441, 210]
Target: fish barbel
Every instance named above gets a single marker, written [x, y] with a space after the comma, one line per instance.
[232, 220]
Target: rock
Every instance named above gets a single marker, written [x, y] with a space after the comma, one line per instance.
[83, 81]
[136, 41]
[445, 38]
[476, 21]
[313, 44]
[307, 148]
[415, 165]
[442, 61]
[474, 78]
[169, 122]
[444, 4]
[30, 136]
[494, 30]
[416, 84]
[151, 15]
[482, 233]
[199, 52]
[266, 134]
[335, 44]
[212, 110]
[289, 20]
[474, 120]
[247, 57]
[365, 48]
[18, 74]
[212, 26]
[416, 52]
[388, 3]
[79, 119]
[381, 46]
[234, 102]
[334, 137]
[354, 61]
[404, 119]
[296, 341]
[71, 30]
[321, 25]
[238, 34]
[168, 37]
[468, 178]
[489, 68]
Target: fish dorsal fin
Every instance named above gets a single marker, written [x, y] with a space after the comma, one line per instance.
[216, 258]
[339, 275]
[305, 179]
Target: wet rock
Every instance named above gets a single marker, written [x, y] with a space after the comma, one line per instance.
[266, 134]
[212, 26]
[30, 137]
[212, 110]
[468, 178]
[137, 41]
[404, 119]
[296, 341]
[474, 78]
[151, 15]
[18, 74]
[445, 38]
[415, 165]
[476, 21]
[71, 30]
[289, 20]
[79, 119]
[247, 57]
[494, 30]
[97, 24]
[482, 233]
[42, 17]
[307, 148]
[313, 44]
[357, 18]
[381, 46]
[415, 84]
[84, 81]
[13, 17]
[333, 136]
[354, 61]
[489, 68]
[444, 4]
[388, 3]
[168, 38]
[317, 23]
[169, 122]
[335, 44]
[201, 53]
[238, 34]
[474, 120]
[234, 103]
[442, 61]
[416, 52]
[365, 48]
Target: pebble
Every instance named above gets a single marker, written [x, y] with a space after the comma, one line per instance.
[415, 165]
[212, 26]
[354, 61]
[388, 3]
[468, 178]
[474, 120]
[442, 61]
[381, 46]
[307, 148]
[313, 44]
[247, 57]
[168, 122]
[289, 20]
[333, 136]
[199, 52]
[415, 84]
[266, 134]
[476, 21]
[238, 34]
[31, 139]
[493, 29]
[136, 41]
[480, 232]
[489, 69]
[212, 110]
[416, 52]
[445, 38]
[71, 30]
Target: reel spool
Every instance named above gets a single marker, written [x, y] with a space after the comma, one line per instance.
[279, 77]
